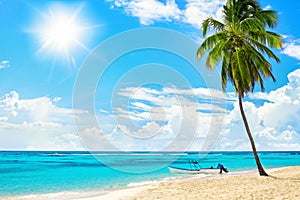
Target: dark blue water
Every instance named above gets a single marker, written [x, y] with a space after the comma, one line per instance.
[23, 173]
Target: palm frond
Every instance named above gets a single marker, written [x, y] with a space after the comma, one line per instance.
[225, 71]
[263, 49]
[211, 23]
[250, 24]
[259, 62]
[269, 17]
[209, 43]
[274, 40]
[256, 77]
[267, 38]
[216, 53]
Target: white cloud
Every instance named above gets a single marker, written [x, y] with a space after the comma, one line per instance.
[169, 118]
[198, 10]
[141, 106]
[9, 101]
[4, 64]
[36, 124]
[268, 7]
[275, 125]
[36, 109]
[173, 119]
[103, 111]
[3, 118]
[292, 49]
[56, 99]
[165, 119]
[150, 11]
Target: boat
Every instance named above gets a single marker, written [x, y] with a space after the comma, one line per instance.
[210, 171]
[195, 168]
[178, 170]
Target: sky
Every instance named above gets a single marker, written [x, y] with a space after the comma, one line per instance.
[120, 75]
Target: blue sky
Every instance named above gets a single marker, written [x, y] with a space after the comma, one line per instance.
[145, 99]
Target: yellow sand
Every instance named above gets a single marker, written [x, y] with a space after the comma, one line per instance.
[284, 183]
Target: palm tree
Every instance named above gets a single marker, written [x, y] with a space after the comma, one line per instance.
[240, 43]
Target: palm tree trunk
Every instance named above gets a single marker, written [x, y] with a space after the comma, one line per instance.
[259, 165]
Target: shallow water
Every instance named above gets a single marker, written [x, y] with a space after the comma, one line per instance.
[24, 172]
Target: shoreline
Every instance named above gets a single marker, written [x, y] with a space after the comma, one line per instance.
[282, 183]
[135, 190]
[109, 193]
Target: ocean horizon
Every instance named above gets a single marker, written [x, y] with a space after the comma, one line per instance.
[42, 172]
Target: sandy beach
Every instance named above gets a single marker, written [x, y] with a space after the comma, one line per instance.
[283, 183]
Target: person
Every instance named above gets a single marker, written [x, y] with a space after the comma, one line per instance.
[222, 168]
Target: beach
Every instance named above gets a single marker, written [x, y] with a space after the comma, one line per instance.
[283, 183]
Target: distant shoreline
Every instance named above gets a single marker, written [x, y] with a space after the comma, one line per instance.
[126, 152]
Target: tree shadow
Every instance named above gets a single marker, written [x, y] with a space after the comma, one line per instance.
[295, 179]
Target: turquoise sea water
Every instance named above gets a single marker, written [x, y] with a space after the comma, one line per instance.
[24, 173]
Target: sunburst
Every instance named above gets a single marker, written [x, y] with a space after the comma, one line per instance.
[61, 33]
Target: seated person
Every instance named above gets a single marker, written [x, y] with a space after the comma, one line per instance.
[222, 168]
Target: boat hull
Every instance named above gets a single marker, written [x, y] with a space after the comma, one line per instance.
[209, 171]
[183, 171]
[176, 170]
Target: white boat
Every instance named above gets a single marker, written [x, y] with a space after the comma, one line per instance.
[210, 171]
[177, 170]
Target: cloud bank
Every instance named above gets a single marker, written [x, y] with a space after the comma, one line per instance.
[36, 124]
[275, 124]
[158, 119]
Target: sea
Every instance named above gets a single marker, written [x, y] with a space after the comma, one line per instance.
[42, 172]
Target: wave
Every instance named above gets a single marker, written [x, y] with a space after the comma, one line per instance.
[143, 183]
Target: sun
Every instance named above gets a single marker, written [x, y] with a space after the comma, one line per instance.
[61, 32]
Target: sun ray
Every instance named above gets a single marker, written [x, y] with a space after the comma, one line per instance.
[77, 11]
[82, 45]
